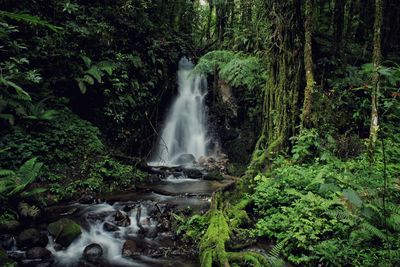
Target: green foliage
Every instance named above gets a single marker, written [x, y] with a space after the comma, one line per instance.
[192, 229]
[94, 72]
[328, 211]
[212, 245]
[237, 69]
[65, 140]
[28, 18]
[15, 183]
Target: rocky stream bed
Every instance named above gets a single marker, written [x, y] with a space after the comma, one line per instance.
[127, 229]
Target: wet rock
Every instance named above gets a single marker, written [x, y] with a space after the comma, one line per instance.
[193, 173]
[93, 253]
[69, 212]
[94, 217]
[16, 255]
[65, 231]
[47, 263]
[7, 241]
[185, 159]
[130, 249]
[165, 235]
[32, 238]
[87, 199]
[212, 164]
[214, 175]
[122, 219]
[164, 224]
[38, 253]
[110, 227]
[128, 207]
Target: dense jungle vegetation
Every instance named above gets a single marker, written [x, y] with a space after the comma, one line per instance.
[311, 126]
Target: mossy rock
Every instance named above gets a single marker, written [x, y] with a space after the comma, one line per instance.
[65, 230]
[214, 175]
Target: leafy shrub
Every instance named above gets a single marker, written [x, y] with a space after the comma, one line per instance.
[64, 140]
[331, 212]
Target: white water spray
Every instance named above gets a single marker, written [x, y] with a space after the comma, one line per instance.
[185, 130]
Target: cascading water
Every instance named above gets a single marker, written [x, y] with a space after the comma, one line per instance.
[185, 131]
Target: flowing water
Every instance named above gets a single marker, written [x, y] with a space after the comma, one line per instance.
[150, 209]
[185, 130]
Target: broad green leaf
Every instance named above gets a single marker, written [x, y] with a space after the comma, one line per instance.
[95, 72]
[87, 60]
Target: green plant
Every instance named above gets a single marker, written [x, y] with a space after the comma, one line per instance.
[14, 183]
[94, 72]
[236, 69]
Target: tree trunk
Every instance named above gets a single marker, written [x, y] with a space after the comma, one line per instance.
[281, 93]
[308, 64]
[376, 60]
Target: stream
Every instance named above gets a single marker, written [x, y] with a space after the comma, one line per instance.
[136, 228]
[131, 228]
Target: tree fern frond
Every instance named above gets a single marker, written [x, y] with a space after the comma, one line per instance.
[5, 172]
[366, 226]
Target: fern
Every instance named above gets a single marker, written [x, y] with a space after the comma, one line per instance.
[94, 72]
[28, 210]
[14, 183]
[273, 255]
[374, 231]
[236, 69]
[31, 19]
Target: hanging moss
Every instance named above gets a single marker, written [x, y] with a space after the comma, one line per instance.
[281, 92]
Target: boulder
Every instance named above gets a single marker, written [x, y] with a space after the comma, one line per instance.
[110, 227]
[32, 238]
[65, 231]
[185, 159]
[122, 219]
[130, 249]
[38, 253]
[93, 253]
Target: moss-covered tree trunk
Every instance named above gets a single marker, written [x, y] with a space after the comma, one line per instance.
[308, 64]
[377, 60]
[285, 68]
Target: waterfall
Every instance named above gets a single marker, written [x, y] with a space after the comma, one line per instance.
[185, 131]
